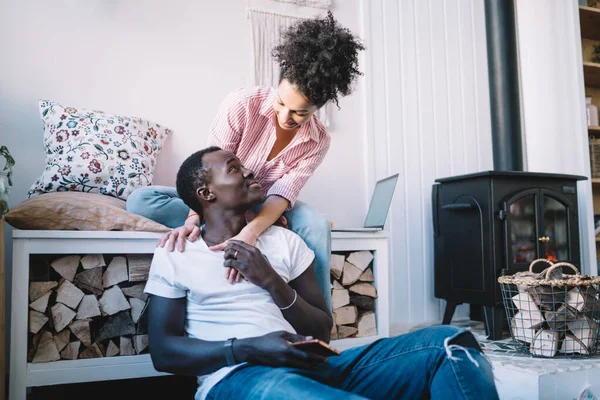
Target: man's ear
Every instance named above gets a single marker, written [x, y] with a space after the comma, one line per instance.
[205, 194]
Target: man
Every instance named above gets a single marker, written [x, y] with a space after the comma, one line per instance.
[238, 338]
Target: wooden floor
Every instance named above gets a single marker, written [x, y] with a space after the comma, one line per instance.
[164, 387]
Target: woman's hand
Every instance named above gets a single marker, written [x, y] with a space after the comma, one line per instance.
[231, 274]
[275, 349]
[178, 235]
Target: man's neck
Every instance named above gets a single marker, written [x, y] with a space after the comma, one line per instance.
[222, 225]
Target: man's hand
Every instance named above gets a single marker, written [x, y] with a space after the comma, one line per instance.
[250, 262]
[245, 236]
[178, 235]
[275, 349]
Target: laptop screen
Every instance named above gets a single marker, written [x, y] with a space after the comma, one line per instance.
[380, 202]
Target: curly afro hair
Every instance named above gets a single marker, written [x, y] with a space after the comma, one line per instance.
[320, 57]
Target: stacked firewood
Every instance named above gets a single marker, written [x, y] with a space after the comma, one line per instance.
[90, 309]
[552, 318]
[353, 295]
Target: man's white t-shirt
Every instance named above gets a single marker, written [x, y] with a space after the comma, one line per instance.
[216, 309]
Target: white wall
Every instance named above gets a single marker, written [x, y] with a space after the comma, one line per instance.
[554, 123]
[171, 62]
[427, 117]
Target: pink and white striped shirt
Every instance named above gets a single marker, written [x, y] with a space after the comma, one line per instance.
[245, 125]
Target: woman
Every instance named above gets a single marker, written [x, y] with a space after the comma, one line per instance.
[276, 134]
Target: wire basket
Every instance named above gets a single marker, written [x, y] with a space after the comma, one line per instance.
[552, 314]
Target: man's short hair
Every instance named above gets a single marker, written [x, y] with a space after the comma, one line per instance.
[191, 175]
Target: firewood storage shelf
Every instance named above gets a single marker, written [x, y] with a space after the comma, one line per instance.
[26, 243]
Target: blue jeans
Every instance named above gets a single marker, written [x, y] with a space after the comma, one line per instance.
[163, 205]
[420, 365]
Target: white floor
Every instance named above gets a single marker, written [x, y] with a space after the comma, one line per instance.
[519, 376]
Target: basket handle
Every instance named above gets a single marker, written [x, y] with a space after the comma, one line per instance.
[538, 261]
[561, 264]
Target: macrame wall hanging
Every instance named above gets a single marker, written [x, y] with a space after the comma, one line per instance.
[268, 20]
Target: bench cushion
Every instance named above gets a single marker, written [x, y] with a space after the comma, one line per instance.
[78, 211]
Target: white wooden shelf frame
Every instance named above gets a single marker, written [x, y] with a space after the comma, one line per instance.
[25, 243]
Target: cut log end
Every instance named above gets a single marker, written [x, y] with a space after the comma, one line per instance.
[36, 321]
[46, 352]
[367, 325]
[139, 267]
[66, 266]
[361, 259]
[350, 274]
[345, 315]
[81, 330]
[61, 316]
[339, 298]
[346, 331]
[71, 351]
[93, 351]
[364, 289]
[126, 347]
[113, 301]
[337, 265]
[93, 261]
[38, 289]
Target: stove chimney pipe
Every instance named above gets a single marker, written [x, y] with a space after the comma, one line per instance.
[500, 29]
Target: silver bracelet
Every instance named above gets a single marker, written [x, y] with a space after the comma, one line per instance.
[293, 302]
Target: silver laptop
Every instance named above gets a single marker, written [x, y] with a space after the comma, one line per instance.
[379, 207]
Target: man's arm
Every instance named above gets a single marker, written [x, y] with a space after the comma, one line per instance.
[171, 351]
[310, 317]
[309, 291]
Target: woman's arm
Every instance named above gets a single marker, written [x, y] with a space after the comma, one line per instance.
[269, 213]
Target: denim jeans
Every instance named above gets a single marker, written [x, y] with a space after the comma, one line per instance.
[425, 364]
[163, 205]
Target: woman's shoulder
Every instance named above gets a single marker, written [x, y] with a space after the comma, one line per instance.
[318, 131]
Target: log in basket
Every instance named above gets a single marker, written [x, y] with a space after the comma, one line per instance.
[552, 313]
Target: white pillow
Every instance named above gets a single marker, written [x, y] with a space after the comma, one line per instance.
[94, 152]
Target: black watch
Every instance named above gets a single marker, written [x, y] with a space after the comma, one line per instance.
[229, 352]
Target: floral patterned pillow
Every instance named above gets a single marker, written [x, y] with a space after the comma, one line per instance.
[94, 152]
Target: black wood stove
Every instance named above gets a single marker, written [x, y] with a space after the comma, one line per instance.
[495, 222]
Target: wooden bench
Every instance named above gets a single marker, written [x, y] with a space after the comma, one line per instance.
[27, 243]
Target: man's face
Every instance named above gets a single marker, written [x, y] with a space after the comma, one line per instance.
[233, 186]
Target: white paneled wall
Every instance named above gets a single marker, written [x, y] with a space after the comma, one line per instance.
[554, 123]
[427, 117]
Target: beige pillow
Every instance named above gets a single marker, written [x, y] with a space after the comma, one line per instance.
[80, 212]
